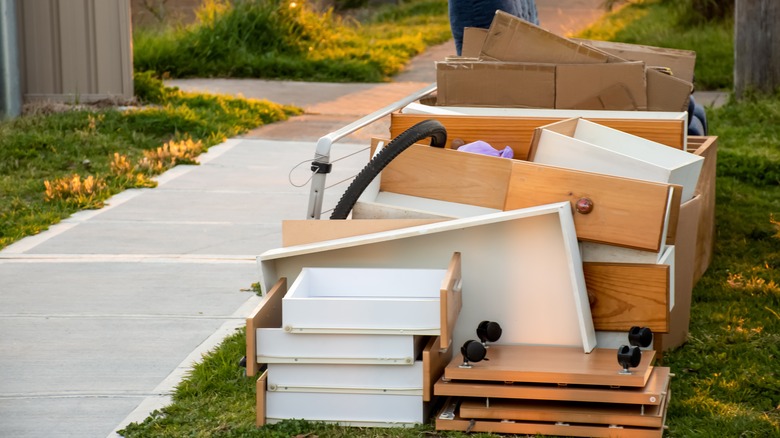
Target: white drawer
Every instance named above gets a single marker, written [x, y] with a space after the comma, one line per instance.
[346, 409]
[356, 379]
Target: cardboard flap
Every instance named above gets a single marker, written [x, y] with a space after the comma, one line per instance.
[513, 39]
[681, 62]
[601, 86]
[667, 93]
[473, 39]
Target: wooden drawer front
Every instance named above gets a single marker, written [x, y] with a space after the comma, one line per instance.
[448, 175]
[346, 409]
[626, 212]
[278, 346]
[623, 295]
[651, 394]
[558, 365]
[706, 147]
[516, 132]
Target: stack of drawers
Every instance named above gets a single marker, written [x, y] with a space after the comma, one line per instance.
[354, 346]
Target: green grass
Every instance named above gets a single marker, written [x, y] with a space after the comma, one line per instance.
[290, 40]
[49, 147]
[654, 23]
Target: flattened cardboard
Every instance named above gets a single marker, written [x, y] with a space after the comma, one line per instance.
[680, 62]
[667, 93]
[513, 39]
[473, 38]
[613, 86]
[477, 83]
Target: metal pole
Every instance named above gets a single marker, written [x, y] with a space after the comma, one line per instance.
[10, 93]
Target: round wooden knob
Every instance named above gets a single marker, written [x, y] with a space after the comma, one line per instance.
[584, 205]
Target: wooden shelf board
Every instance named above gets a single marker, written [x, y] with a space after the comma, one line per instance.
[545, 364]
[651, 394]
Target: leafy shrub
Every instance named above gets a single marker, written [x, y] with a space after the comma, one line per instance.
[148, 88]
[698, 12]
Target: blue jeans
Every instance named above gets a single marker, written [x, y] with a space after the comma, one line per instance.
[480, 13]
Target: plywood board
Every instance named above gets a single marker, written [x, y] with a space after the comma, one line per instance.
[267, 314]
[626, 212]
[507, 258]
[650, 394]
[566, 412]
[455, 422]
[434, 361]
[559, 365]
[623, 295]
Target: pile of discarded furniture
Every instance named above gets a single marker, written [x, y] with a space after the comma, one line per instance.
[532, 294]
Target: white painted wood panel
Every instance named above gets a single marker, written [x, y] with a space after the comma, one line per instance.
[521, 268]
[376, 379]
[346, 409]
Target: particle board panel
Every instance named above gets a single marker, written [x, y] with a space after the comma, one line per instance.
[623, 295]
[456, 423]
[545, 364]
[626, 212]
[267, 314]
[524, 251]
[434, 362]
[260, 399]
[517, 132]
[706, 147]
[565, 412]
[650, 394]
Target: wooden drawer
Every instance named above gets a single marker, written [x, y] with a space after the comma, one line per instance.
[584, 145]
[374, 301]
[370, 410]
[514, 127]
[626, 212]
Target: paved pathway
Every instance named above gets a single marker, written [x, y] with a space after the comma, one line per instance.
[101, 315]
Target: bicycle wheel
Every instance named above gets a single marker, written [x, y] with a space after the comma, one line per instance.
[427, 128]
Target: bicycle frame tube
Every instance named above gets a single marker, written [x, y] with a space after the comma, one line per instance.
[321, 163]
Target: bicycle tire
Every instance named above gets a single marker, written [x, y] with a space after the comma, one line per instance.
[420, 131]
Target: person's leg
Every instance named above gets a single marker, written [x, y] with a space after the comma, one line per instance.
[472, 13]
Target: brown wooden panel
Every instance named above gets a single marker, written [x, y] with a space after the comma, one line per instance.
[566, 412]
[626, 212]
[706, 147]
[530, 428]
[545, 364]
[260, 399]
[267, 314]
[300, 232]
[450, 301]
[623, 295]
[650, 394]
[434, 361]
[448, 175]
[516, 132]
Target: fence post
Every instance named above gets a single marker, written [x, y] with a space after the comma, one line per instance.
[756, 39]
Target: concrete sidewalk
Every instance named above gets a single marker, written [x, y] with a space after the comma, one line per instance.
[102, 315]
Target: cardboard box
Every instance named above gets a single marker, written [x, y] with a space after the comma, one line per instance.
[473, 38]
[680, 62]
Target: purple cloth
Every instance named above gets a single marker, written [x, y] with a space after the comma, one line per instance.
[481, 147]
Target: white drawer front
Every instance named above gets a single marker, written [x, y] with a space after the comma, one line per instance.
[349, 409]
[364, 379]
